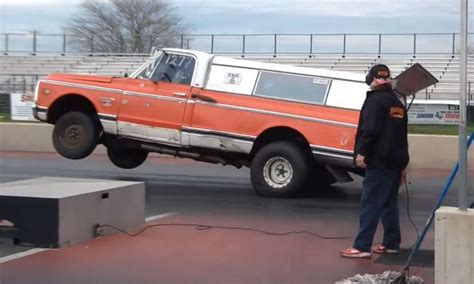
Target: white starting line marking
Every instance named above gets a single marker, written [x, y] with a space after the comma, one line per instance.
[161, 216]
[21, 254]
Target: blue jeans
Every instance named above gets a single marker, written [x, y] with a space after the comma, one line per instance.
[379, 201]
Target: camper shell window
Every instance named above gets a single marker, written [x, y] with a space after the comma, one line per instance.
[292, 87]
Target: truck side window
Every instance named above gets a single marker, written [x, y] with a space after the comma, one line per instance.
[174, 68]
[298, 88]
[151, 66]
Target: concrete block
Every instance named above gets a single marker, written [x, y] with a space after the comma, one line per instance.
[56, 212]
[454, 246]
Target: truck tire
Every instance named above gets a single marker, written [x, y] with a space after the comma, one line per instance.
[280, 169]
[126, 158]
[75, 135]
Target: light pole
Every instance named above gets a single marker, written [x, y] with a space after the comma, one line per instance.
[463, 189]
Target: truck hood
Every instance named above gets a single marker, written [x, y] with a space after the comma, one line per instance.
[81, 78]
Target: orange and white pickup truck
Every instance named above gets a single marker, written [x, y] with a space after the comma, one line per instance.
[292, 126]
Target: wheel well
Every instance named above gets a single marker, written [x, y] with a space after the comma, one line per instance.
[279, 134]
[70, 103]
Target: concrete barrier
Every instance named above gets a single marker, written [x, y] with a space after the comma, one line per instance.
[426, 151]
[454, 257]
[435, 151]
[30, 137]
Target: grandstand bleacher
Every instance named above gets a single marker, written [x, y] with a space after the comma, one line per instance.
[20, 73]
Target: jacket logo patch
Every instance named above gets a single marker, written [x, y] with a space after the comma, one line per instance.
[397, 112]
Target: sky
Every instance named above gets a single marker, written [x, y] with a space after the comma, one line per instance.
[263, 16]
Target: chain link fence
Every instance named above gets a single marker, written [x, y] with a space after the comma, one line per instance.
[15, 83]
[4, 106]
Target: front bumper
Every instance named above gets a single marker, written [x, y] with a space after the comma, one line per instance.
[40, 113]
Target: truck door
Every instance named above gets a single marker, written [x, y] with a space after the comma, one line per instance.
[153, 103]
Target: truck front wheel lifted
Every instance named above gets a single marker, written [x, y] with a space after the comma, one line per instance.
[279, 169]
[75, 135]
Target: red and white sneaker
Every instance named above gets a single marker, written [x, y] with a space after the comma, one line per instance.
[381, 249]
[5, 223]
[354, 253]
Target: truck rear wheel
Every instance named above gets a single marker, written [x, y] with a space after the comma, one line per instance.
[126, 158]
[280, 169]
[75, 135]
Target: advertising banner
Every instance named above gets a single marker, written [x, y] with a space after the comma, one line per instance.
[431, 112]
[21, 107]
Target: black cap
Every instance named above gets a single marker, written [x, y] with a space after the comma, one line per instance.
[377, 71]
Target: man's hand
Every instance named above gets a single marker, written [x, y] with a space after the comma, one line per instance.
[360, 161]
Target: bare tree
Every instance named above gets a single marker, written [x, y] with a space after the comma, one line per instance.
[124, 26]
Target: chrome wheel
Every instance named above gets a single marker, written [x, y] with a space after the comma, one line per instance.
[278, 172]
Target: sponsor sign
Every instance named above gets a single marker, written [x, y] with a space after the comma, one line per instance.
[21, 107]
[421, 113]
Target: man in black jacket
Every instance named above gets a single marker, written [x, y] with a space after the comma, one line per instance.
[381, 148]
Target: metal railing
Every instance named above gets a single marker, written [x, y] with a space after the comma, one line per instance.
[275, 44]
[413, 44]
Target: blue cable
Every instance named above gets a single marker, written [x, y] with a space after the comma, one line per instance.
[443, 194]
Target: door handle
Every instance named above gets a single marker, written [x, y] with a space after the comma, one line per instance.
[203, 98]
[108, 99]
[180, 94]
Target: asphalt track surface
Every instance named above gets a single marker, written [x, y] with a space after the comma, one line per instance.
[184, 191]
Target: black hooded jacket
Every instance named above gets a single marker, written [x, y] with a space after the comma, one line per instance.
[382, 135]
